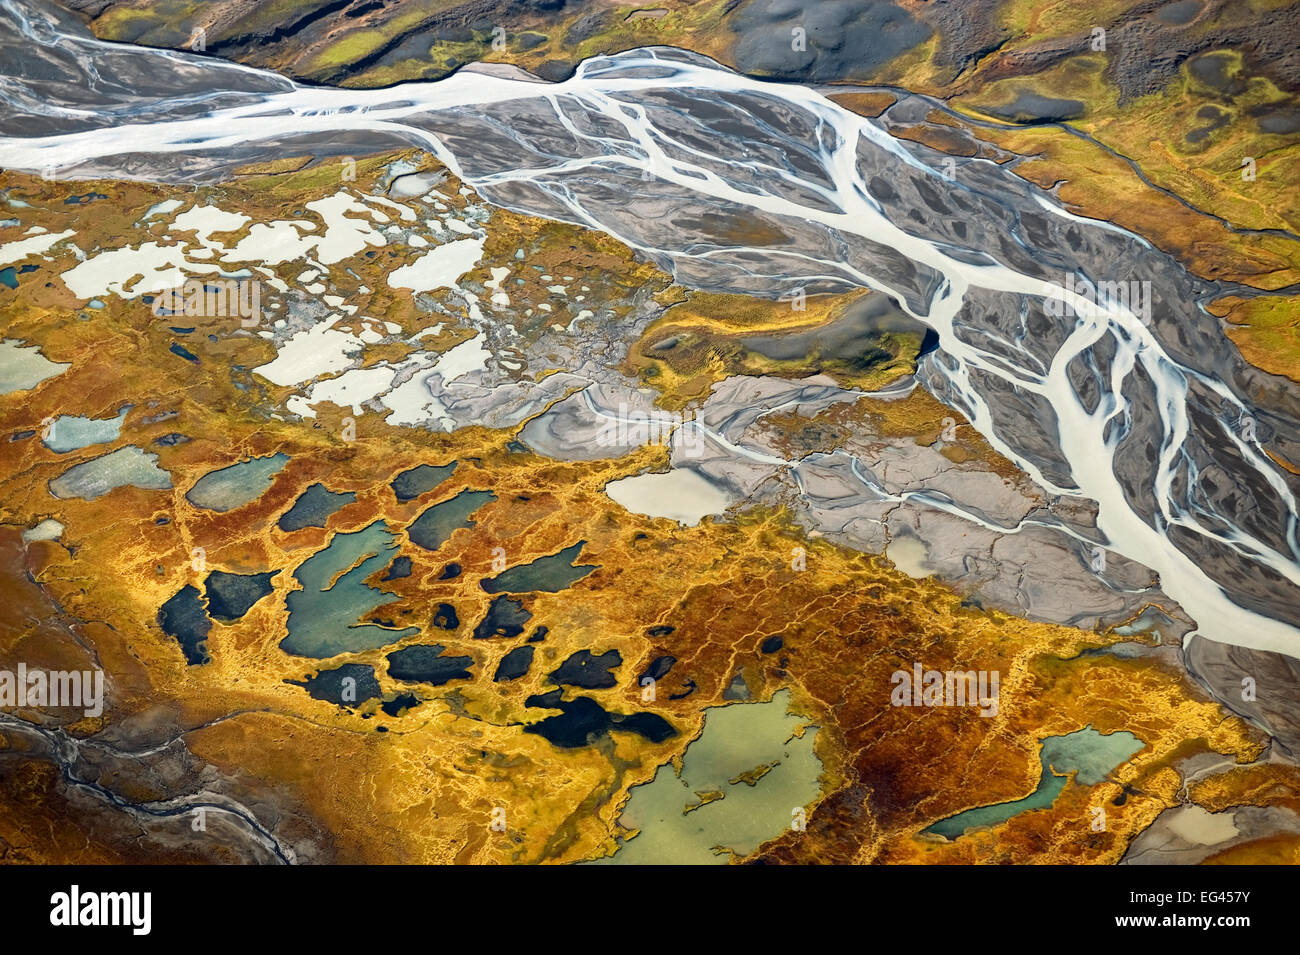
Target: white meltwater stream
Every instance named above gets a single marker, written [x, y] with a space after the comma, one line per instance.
[611, 87]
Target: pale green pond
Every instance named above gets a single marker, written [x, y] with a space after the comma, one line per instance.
[736, 740]
[237, 485]
[73, 432]
[94, 478]
[23, 366]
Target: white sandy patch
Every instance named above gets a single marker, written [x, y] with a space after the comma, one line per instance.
[163, 267]
[320, 350]
[47, 530]
[299, 406]
[284, 240]
[23, 366]
[1199, 827]
[431, 330]
[413, 401]
[344, 236]
[205, 220]
[19, 250]
[681, 495]
[440, 268]
[354, 387]
[466, 357]
[274, 242]
[411, 184]
[166, 207]
[909, 555]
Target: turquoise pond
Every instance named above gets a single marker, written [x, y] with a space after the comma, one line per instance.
[324, 615]
[1086, 753]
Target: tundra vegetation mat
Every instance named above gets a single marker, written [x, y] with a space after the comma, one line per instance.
[715, 432]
